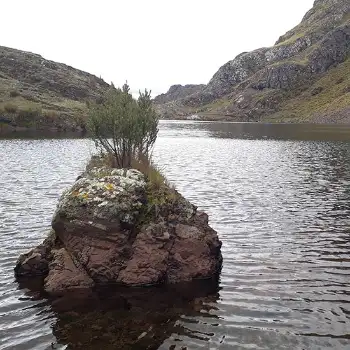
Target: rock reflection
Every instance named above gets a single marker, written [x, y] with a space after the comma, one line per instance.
[124, 318]
[258, 131]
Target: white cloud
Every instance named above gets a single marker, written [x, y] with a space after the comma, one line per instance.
[154, 43]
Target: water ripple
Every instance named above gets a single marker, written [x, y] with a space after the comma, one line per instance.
[281, 209]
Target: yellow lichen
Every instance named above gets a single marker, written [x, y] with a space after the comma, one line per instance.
[109, 187]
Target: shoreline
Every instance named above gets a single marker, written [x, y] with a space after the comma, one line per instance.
[81, 132]
[221, 129]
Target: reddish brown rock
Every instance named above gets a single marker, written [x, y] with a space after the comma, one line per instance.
[110, 229]
[148, 263]
[191, 256]
[36, 262]
[65, 275]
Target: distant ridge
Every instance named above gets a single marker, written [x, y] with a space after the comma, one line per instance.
[38, 93]
[304, 77]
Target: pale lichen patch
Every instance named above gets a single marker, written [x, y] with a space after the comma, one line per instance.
[108, 194]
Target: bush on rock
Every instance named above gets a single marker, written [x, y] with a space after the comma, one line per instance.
[123, 127]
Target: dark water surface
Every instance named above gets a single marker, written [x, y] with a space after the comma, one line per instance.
[279, 197]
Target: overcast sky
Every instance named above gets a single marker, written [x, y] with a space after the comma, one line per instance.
[154, 43]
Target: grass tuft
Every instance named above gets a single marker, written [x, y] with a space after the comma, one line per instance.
[10, 108]
[30, 112]
[152, 173]
[14, 93]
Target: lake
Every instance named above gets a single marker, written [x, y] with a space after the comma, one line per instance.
[279, 197]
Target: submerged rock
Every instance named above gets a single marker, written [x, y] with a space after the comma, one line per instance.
[113, 226]
[36, 262]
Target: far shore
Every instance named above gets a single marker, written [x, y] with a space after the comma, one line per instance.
[17, 130]
[216, 128]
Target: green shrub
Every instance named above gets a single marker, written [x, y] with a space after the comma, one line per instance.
[79, 119]
[123, 126]
[50, 114]
[29, 113]
[10, 108]
[14, 93]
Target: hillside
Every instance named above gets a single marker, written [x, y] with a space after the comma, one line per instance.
[304, 77]
[177, 92]
[38, 93]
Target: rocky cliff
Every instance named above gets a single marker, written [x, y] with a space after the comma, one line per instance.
[305, 76]
[38, 93]
[177, 92]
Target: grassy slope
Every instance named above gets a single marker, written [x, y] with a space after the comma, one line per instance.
[37, 93]
[333, 95]
[26, 106]
[329, 95]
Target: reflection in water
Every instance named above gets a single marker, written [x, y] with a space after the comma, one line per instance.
[43, 134]
[256, 131]
[252, 131]
[124, 318]
[281, 208]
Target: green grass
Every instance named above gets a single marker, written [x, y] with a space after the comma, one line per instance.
[292, 39]
[14, 93]
[27, 110]
[10, 108]
[20, 103]
[215, 105]
[27, 106]
[346, 18]
[295, 60]
[71, 105]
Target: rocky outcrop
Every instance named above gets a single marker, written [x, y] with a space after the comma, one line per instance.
[113, 226]
[243, 88]
[36, 262]
[322, 18]
[177, 92]
[64, 274]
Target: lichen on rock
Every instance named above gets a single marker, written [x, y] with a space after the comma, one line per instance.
[104, 194]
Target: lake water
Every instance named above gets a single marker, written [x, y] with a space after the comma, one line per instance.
[279, 197]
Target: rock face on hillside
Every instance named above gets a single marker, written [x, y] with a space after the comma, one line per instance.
[177, 92]
[283, 79]
[111, 227]
[38, 93]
